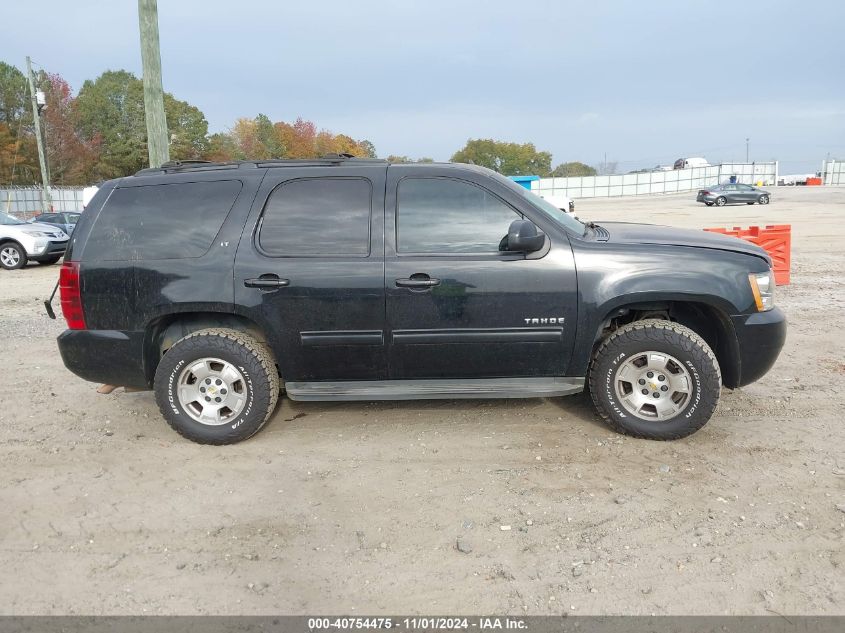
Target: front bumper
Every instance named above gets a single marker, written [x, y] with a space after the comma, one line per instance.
[105, 356]
[51, 250]
[760, 337]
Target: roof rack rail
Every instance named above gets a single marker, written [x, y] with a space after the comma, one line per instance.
[206, 165]
[186, 163]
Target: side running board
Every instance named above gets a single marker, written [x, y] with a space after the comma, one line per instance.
[435, 389]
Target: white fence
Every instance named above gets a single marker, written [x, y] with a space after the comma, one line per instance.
[833, 172]
[29, 200]
[676, 180]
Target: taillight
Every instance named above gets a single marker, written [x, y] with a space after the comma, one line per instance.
[71, 296]
[706, 193]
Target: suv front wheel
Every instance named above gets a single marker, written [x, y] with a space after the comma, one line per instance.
[217, 386]
[655, 379]
[12, 256]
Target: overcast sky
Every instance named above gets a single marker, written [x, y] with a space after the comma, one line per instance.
[644, 81]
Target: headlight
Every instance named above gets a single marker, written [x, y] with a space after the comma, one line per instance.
[35, 233]
[763, 289]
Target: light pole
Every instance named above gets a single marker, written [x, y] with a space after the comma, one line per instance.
[746, 148]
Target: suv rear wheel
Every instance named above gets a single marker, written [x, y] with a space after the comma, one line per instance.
[217, 386]
[655, 379]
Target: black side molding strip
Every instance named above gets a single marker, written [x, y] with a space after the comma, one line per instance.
[342, 337]
[479, 335]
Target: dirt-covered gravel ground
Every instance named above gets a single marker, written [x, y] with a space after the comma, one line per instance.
[359, 508]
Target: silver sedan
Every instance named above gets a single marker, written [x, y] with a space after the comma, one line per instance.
[720, 195]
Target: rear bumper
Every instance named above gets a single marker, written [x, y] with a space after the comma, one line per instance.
[761, 337]
[105, 356]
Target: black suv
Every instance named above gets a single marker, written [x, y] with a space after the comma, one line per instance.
[217, 285]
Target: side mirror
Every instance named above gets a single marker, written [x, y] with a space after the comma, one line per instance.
[525, 237]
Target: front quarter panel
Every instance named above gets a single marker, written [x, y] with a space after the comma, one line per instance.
[612, 276]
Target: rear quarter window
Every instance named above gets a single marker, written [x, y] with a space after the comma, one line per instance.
[169, 221]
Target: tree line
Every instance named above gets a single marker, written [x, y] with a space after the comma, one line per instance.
[100, 133]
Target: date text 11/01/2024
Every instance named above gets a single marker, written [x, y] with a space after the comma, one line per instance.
[417, 623]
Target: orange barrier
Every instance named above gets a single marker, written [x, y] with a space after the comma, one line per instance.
[814, 181]
[775, 239]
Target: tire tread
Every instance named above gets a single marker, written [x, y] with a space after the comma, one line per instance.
[259, 351]
[656, 330]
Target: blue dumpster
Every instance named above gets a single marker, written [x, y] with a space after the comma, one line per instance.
[524, 181]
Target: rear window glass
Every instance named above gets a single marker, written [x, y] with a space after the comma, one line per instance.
[318, 216]
[161, 221]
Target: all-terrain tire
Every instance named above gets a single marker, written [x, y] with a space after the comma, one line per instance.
[260, 382]
[670, 338]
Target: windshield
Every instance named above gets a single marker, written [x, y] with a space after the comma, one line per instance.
[8, 219]
[548, 209]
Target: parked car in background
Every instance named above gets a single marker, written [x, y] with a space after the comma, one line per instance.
[64, 221]
[564, 203]
[686, 163]
[21, 242]
[720, 195]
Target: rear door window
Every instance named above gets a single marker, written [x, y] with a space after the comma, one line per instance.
[317, 217]
[171, 221]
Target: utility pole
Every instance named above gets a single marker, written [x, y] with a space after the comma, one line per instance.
[36, 119]
[157, 141]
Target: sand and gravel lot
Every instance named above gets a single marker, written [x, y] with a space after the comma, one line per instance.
[357, 507]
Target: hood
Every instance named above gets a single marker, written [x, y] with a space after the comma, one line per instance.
[625, 233]
[44, 228]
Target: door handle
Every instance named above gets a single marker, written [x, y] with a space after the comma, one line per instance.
[266, 282]
[418, 280]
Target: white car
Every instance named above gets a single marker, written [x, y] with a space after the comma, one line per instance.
[564, 203]
[21, 242]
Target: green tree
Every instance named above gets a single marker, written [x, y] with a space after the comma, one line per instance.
[573, 169]
[405, 159]
[368, 149]
[268, 138]
[13, 95]
[110, 114]
[222, 148]
[511, 159]
[188, 129]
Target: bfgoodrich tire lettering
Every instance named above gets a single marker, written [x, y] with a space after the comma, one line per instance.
[258, 379]
[697, 362]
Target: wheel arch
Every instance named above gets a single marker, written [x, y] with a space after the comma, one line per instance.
[163, 331]
[708, 319]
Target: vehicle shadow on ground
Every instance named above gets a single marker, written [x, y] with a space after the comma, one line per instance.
[577, 409]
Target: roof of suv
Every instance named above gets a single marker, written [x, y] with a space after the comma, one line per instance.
[173, 167]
